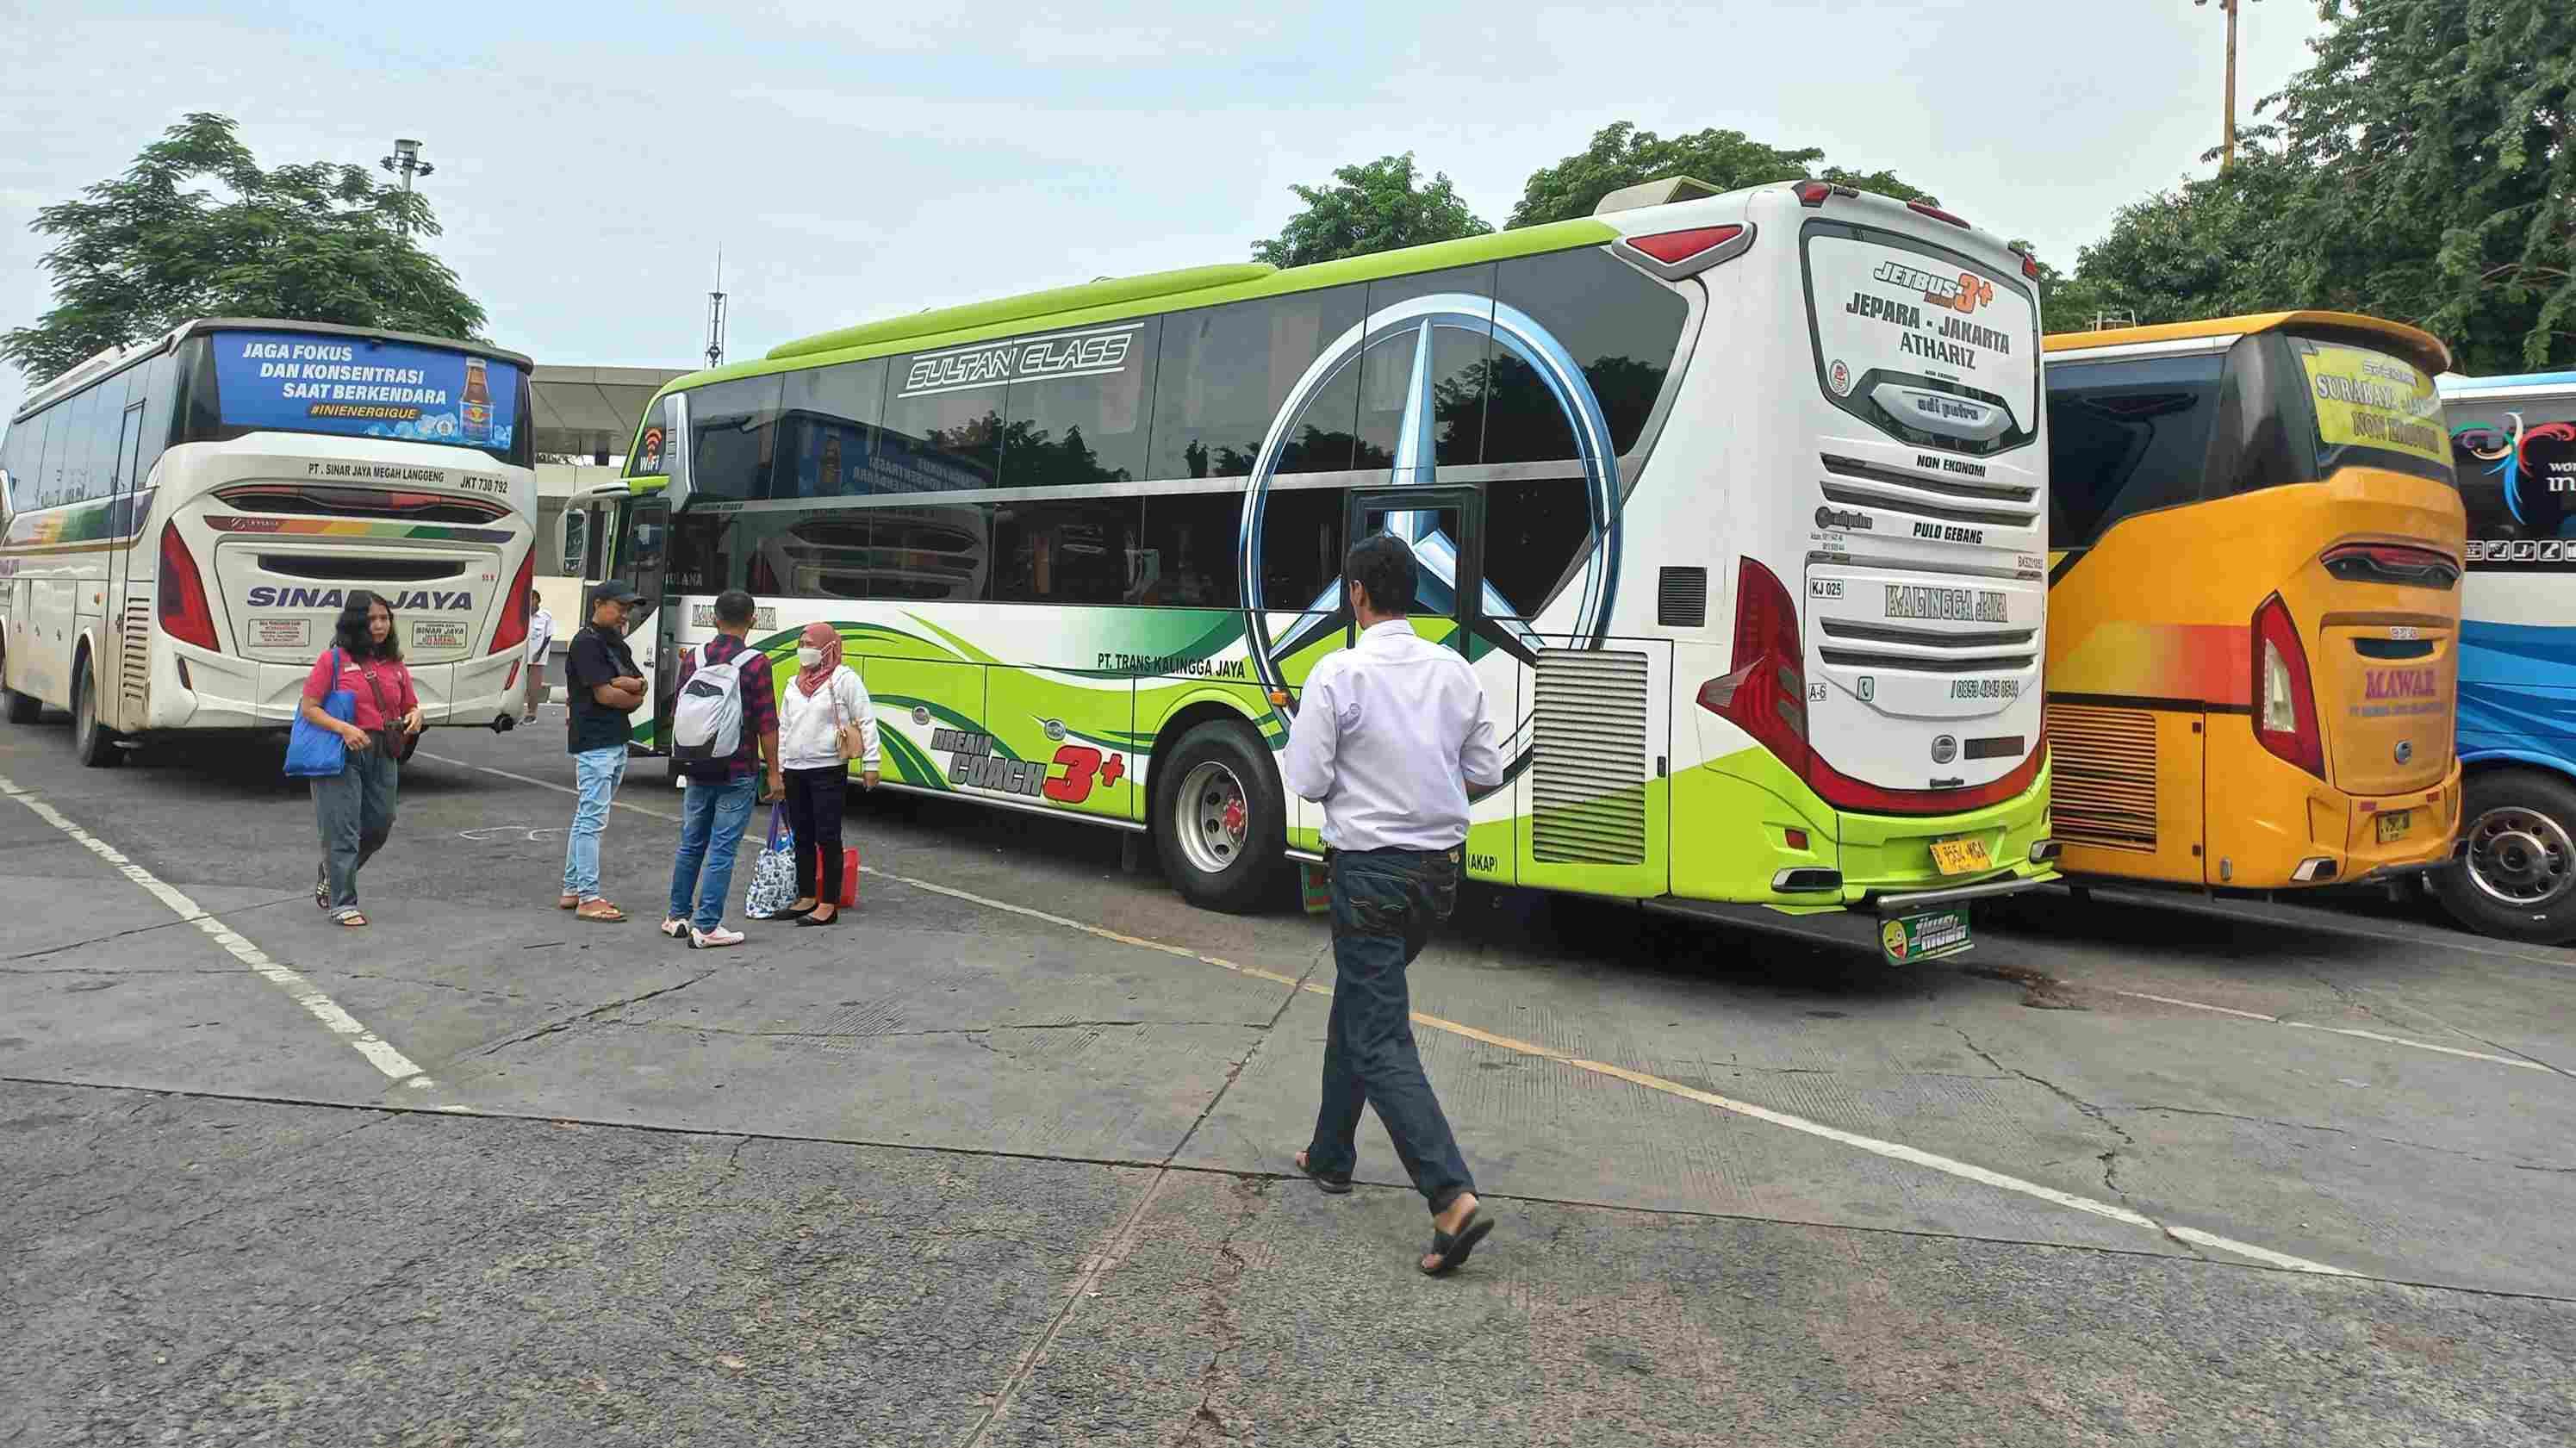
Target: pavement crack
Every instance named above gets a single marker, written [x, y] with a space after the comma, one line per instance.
[595, 1012]
[2061, 1093]
[2344, 1131]
[1224, 1287]
[130, 931]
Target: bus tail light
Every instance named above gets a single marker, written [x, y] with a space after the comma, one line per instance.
[1931, 208]
[513, 632]
[1674, 255]
[185, 614]
[1765, 695]
[2285, 699]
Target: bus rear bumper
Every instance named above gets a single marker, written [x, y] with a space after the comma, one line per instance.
[1861, 925]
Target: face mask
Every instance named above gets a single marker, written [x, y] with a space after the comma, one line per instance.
[808, 657]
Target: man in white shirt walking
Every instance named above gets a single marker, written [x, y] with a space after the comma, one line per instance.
[541, 636]
[1388, 737]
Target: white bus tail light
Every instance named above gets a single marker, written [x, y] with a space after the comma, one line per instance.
[185, 614]
[1813, 193]
[1674, 255]
[2285, 700]
[2029, 259]
[1926, 206]
[1765, 695]
[513, 632]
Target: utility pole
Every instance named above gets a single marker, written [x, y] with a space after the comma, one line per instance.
[2230, 6]
[406, 162]
[716, 316]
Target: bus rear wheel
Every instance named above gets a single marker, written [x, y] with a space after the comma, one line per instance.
[1220, 818]
[92, 743]
[2517, 878]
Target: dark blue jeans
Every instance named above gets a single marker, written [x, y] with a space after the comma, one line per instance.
[1384, 905]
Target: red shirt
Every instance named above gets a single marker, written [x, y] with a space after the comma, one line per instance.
[389, 678]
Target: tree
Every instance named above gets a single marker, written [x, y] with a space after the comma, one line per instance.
[1621, 155]
[2440, 179]
[2211, 248]
[1368, 209]
[321, 242]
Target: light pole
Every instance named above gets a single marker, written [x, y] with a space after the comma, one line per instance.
[2230, 6]
[406, 162]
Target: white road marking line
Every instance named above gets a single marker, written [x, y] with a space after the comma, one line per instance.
[2140, 995]
[381, 1055]
[1894, 1151]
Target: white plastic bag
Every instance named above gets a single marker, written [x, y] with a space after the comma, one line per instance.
[773, 875]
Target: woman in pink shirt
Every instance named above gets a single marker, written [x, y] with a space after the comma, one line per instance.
[356, 806]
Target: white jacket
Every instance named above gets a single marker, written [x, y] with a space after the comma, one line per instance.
[806, 723]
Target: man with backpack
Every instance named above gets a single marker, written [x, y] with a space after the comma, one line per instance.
[724, 725]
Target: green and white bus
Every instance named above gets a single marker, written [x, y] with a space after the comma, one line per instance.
[1736, 502]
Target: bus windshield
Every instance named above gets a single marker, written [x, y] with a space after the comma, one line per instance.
[354, 386]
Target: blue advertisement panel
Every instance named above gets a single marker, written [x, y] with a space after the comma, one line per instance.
[304, 382]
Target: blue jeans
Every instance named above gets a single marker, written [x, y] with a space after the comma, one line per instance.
[597, 771]
[712, 817]
[355, 809]
[1384, 905]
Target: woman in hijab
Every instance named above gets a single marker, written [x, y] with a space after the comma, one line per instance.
[825, 723]
[356, 806]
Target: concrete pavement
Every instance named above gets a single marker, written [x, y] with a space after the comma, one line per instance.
[1002, 1159]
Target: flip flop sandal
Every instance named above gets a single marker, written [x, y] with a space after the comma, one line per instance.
[1329, 1185]
[603, 914]
[1452, 1251]
[351, 921]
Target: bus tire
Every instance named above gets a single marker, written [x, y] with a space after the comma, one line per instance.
[2517, 879]
[93, 743]
[1219, 817]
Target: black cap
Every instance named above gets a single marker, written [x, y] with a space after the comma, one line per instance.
[613, 592]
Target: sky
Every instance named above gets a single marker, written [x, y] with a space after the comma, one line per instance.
[855, 162]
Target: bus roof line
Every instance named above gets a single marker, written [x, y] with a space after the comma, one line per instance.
[2425, 350]
[1104, 301]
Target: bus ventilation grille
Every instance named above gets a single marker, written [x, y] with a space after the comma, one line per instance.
[2103, 789]
[1681, 598]
[134, 658]
[1588, 758]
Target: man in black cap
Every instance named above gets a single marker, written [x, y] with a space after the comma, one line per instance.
[602, 686]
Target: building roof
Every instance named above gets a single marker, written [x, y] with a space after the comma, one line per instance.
[585, 411]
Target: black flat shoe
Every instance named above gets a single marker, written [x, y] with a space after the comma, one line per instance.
[808, 919]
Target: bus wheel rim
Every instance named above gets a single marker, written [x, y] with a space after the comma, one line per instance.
[2521, 858]
[1211, 813]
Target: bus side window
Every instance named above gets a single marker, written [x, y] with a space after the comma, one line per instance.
[2125, 438]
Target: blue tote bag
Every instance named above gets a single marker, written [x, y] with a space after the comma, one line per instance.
[313, 752]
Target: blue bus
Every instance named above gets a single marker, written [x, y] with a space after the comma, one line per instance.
[2513, 441]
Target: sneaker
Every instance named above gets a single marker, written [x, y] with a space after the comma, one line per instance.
[716, 939]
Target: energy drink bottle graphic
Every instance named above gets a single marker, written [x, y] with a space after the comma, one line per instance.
[478, 402]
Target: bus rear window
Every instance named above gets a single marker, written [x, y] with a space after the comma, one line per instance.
[2126, 437]
[348, 386]
[2371, 409]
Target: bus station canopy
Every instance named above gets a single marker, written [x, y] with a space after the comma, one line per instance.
[591, 411]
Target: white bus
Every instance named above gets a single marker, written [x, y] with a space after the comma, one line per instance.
[1737, 503]
[184, 518]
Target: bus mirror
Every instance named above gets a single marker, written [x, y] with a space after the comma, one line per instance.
[677, 449]
[8, 491]
[569, 544]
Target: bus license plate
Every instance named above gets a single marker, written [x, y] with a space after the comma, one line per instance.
[1924, 937]
[1958, 857]
[2394, 823]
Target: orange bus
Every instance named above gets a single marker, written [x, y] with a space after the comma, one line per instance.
[2254, 602]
